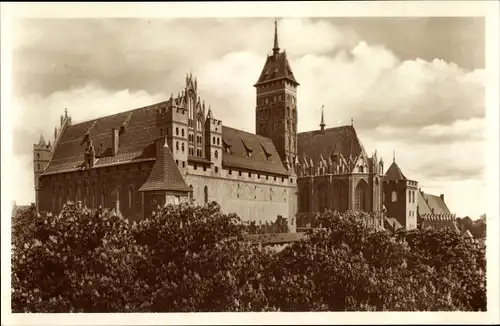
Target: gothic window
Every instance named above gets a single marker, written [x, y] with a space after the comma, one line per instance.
[205, 191]
[213, 140]
[394, 196]
[182, 132]
[218, 141]
[177, 145]
[176, 131]
[361, 169]
[361, 196]
[183, 147]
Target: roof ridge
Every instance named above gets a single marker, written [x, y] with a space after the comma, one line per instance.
[116, 114]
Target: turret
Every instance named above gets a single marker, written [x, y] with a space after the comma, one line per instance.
[213, 140]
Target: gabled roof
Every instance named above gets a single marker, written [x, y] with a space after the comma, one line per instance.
[430, 204]
[251, 152]
[165, 174]
[276, 67]
[392, 224]
[323, 143]
[136, 142]
[394, 173]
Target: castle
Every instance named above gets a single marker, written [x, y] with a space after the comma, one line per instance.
[177, 150]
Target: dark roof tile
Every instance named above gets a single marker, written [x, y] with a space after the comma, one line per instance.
[394, 173]
[317, 143]
[242, 143]
[165, 174]
[276, 67]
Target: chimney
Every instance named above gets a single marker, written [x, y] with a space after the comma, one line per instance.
[442, 197]
[115, 141]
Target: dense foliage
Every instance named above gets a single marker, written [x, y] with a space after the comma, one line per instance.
[188, 258]
[477, 227]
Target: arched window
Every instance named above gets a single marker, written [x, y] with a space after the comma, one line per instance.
[205, 190]
[218, 141]
[361, 169]
[183, 147]
[130, 197]
[182, 131]
[37, 155]
[361, 196]
[177, 145]
[394, 197]
[216, 153]
[213, 140]
[176, 131]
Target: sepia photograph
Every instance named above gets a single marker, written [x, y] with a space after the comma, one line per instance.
[270, 163]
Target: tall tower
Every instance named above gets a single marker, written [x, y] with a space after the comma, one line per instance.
[276, 103]
[41, 157]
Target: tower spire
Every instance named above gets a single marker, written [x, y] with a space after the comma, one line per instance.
[394, 156]
[322, 124]
[276, 48]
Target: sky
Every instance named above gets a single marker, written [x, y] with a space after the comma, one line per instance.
[412, 86]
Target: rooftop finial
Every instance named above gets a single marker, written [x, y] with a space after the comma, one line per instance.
[352, 122]
[394, 156]
[322, 124]
[66, 113]
[276, 48]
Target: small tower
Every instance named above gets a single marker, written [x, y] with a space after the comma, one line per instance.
[171, 124]
[400, 196]
[213, 140]
[41, 156]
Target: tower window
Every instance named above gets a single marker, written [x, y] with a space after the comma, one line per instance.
[176, 131]
[218, 141]
[216, 153]
[177, 145]
[182, 131]
[394, 196]
[37, 155]
[182, 147]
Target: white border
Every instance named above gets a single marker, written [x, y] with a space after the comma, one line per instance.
[488, 9]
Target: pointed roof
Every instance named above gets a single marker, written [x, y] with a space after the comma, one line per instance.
[394, 173]
[276, 48]
[277, 66]
[165, 174]
[468, 235]
[41, 142]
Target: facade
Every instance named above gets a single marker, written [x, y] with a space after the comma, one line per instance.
[177, 150]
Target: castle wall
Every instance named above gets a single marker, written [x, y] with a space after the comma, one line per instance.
[97, 187]
[252, 196]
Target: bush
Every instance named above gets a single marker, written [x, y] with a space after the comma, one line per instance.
[187, 258]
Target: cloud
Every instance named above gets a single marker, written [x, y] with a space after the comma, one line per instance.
[430, 111]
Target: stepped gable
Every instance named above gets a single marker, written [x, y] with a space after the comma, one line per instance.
[243, 150]
[313, 145]
[136, 140]
[276, 67]
[165, 175]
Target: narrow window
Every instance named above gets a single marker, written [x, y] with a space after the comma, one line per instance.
[394, 196]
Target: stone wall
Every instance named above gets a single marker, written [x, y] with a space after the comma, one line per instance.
[254, 197]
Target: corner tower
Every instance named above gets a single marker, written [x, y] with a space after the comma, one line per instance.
[276, 103]
[41, 157]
